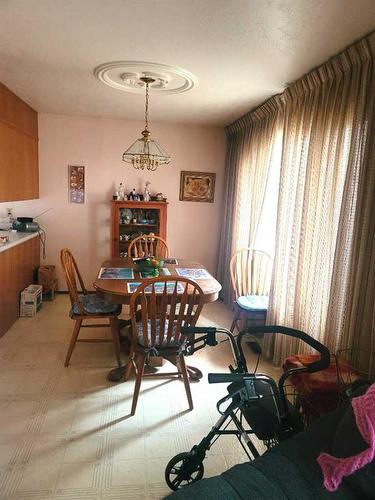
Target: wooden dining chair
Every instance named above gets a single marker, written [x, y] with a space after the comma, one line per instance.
[250, 272]
[166, 304]
[88, 306]
[147, 246]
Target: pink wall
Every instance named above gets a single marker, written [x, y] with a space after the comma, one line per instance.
[193, 228]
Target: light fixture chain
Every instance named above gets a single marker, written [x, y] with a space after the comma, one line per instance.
[146, 109]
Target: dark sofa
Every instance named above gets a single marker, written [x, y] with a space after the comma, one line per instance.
[290, 470]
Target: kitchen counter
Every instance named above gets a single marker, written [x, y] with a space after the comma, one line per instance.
[19, 260]
[15, 238]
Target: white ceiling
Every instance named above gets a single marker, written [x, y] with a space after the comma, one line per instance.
[242, 51]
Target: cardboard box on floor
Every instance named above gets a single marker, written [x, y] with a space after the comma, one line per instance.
[47, 278]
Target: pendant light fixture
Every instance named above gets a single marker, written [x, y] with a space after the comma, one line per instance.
[145, 152]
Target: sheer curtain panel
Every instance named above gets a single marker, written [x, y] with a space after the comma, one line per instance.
[324, 245]
[252, 147]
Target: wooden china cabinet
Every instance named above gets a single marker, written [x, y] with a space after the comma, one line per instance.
[134, 218]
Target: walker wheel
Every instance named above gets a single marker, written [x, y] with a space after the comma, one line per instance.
[183, 469]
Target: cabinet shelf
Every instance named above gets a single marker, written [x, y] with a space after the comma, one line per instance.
[138, 224]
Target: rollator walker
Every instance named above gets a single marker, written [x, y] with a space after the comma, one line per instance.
[256, 405]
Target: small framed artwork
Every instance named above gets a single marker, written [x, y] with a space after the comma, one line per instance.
[76, 184]
[197, 186]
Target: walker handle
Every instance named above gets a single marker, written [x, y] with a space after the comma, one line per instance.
[192, 330]
[316, 366]
[222, 378]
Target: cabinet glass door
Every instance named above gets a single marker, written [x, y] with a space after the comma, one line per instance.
[134, 222]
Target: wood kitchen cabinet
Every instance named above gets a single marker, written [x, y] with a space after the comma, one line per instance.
[17, 268]
[19, 168]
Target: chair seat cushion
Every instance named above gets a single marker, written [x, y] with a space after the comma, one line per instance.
[172, 343]
[253, 302]
[93, 304]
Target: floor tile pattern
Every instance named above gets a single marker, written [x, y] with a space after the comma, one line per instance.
[66, 433]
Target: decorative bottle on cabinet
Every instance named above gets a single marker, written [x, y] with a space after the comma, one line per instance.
[131, 219]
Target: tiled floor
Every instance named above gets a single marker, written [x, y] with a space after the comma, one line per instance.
[66, 433]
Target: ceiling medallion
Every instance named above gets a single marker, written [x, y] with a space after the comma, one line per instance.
[129, 76]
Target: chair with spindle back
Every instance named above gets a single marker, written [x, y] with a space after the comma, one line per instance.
[166, 305]
[250, 272]
[147, 246]
[88, 306]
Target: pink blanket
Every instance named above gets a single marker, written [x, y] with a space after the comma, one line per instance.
[334, 469]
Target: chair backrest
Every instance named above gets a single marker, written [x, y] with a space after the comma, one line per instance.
[71, 273]
[148, 245]
[250, 272]
[166, 304]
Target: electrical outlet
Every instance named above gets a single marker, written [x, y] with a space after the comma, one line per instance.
[9, 212]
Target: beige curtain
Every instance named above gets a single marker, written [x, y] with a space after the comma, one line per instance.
[324, 255]
[251, 149]
[351, 314]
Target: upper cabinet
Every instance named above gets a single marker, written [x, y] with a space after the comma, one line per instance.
[19, 170]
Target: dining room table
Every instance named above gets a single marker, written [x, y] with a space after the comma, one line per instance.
[118, 278]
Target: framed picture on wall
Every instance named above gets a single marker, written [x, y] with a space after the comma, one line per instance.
[197, 186]
[76, 176]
